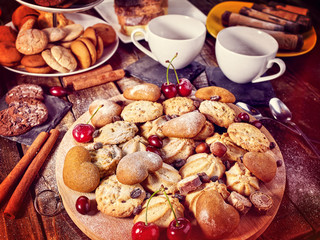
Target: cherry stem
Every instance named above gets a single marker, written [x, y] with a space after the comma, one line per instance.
[174, 214]
[95, 113]
[146, 223]
[170, 63]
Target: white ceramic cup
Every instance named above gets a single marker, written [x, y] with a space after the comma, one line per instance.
[171, 34]
[244, 54]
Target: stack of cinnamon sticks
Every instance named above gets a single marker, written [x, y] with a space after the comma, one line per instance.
[28, 167]
[93, 78]
[285, 23]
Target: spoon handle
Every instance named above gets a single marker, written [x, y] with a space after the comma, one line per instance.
[282, 124]
[315, 150]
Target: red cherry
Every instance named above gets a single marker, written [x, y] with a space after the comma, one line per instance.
[169, 90]
[244, 117]
[83, 205]
[155, 141]
[257, 124]
[180, 231]
[58, 91]
[83, 132]
[154, 150]
[140, 231]
[184, 87]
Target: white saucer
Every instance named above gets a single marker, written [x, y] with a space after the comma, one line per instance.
[86, 21]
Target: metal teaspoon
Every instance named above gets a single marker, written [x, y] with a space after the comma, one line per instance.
[282, 113]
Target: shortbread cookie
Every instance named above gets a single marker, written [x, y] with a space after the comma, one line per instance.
[187, 125]
[54, 34]
[240, 179]
[24, 91]
[178, 106]
[141, 111]
[217, 112]
[153, 127]
[117, 132]
[73, 31]
[159, 211]
[203, 163]
[234, 152]
[106, 159]
[177, 148]
[206, 131]
[167, 176]
[117, 199]
[248, 137]
[136, 144]
[145, 91]
[221, 94]
[107, 112]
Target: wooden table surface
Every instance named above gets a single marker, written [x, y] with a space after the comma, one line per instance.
[299, 88]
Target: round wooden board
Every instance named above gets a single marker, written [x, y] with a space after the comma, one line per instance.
[99, 226]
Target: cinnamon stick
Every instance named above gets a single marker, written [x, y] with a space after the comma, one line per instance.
[289, 8]
[68, 80]
[18, 195]
[98, 80]
[19, 169]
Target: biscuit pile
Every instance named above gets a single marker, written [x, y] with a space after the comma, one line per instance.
[41, 48]
[130, 169]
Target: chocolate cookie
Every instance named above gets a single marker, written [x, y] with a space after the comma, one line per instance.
[21, 116]
[24, 91]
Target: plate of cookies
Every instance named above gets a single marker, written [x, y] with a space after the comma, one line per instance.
[209, 159]
[80, 43]
[60, 6]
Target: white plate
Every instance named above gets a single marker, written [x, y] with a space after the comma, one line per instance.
[86, 21]
[183, 7]
[73, 8]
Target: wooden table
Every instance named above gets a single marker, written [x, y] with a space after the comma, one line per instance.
[299, 213]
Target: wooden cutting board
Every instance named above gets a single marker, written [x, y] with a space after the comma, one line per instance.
[99, 226]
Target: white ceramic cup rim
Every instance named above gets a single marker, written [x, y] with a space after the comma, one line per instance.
[201, 27]
[272, 41]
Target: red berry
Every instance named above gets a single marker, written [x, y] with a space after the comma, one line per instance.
[140, 231]
[257, 124]
[155, 141]
[184, 87]
[244, 117]
[83, 205]
[83, 132]
[169, 90]
[181, 231]
[218, 149]
[154, 150]
[58, 91]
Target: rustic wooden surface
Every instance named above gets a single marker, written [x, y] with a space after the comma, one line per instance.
[299, 213]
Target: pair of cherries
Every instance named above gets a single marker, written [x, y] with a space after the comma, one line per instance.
[179, 228]
[183, 86]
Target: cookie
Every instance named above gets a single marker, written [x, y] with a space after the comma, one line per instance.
[80, 50]
[21, 116]
[178, 106]
[41, 70]
[218, 113]
[187, 125]
[106, 32]
[176, 148]
[64, 57]
[73, 32]
[90, 33]
[117, 132]
[206, 131]
[141, 111]
[117, 199]
[35, 60]
[145, 91]
[50, 60]
[159, 211]
[7, 34]
[9, 55]
[203, 163]
[221, 94]
[240, 179]
[22, 14]
[153, 127]
[24, 91]
[248, 137]
[136, 144]
[106, 159]
[31, 41]
[167, 176]
[55, 34]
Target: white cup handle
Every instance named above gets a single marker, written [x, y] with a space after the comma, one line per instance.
[138, 45]
[282, 66]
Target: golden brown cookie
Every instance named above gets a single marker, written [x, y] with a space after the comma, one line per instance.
[7, 34]
[141, 111]
[40, 70]
[82, 53]
[22, 14]
[221, 94]
[177, 148]
[145, 91]
[31, 41]
[106, 32]
[178, 106]
[35, 60]
[9, 56]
